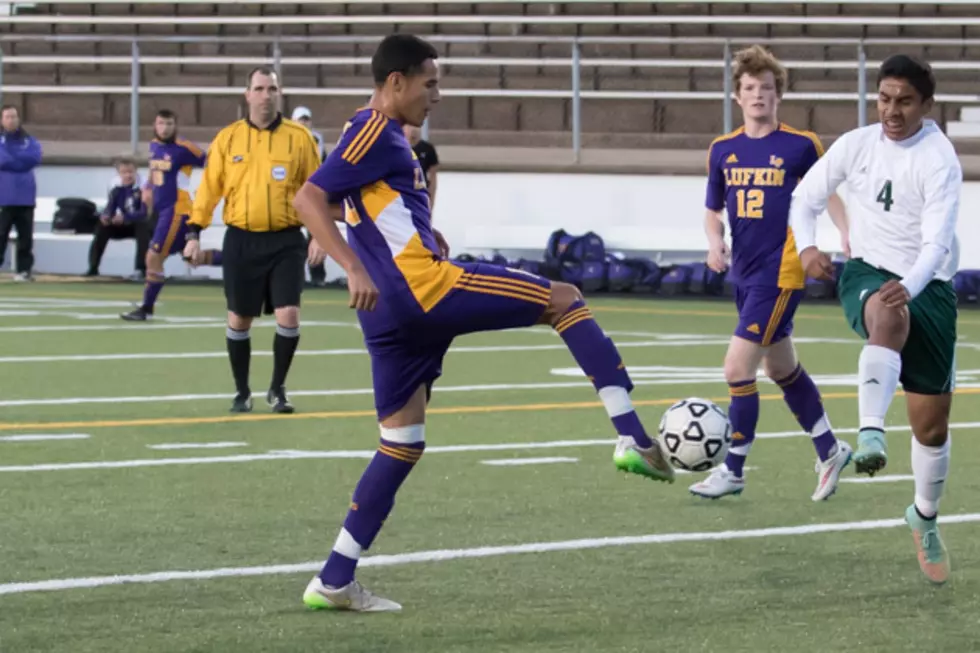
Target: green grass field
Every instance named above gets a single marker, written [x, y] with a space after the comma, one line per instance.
[767, 571]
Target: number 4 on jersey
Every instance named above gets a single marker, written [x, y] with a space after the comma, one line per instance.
[885, 195]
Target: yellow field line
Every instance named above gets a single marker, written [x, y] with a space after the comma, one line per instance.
[340, 414]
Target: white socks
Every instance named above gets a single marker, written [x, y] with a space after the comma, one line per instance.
[929, 467]
[878, 372]
[347, 546]
[616, 400]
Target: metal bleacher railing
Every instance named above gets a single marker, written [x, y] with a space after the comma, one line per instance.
[575, 62]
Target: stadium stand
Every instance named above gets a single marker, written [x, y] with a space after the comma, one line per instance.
[687, 65]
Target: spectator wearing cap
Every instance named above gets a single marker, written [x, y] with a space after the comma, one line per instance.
[304, 116]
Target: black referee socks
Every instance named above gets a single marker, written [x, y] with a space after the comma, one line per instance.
[283, 349]
[240, 355]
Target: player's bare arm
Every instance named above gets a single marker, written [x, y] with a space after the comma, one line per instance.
[320, 218]
[838, 215]
[714, 229]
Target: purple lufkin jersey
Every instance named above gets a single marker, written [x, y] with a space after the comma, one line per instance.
[374, 170]
[425, 301]
[171, 164]
[754, 178]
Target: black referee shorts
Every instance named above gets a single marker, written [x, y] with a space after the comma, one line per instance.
[263, 271]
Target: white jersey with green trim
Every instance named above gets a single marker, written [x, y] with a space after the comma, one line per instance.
[900, 195]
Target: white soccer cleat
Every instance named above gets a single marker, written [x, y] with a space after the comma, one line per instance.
[721, 482]
[828, 471]
[351, 597]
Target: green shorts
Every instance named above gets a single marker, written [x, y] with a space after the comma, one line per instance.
[929, 355]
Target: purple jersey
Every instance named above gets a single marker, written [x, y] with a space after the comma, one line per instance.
[425, 301]
[127, 201]
[754, 178]
[170, 174]
[374, 171]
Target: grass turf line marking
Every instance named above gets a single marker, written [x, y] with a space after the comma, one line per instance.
[128, 326]
[292, 454]
[516, 462]
[367, 454]
[892, 478]
[169, 446]
[44, 437]
[317, 352]
[598, 306]
[446, 555]
[342, 414]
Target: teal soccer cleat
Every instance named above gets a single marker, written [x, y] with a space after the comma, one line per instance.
[871, 455]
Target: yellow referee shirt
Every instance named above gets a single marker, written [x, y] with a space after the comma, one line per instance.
[257, 172]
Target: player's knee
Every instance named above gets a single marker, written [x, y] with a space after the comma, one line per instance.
[933, 435]
[563, 295]
[288, 316]
[741, 361]
[239, 322]
[153, 261]
[778, 366]
[886, 326]
[738, 369]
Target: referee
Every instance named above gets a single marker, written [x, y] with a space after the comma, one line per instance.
[256, 165]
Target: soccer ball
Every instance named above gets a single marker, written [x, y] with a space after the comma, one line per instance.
[695, 434]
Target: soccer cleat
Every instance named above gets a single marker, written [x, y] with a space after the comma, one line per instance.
[871, 455]
[646, 462]
[933, 557]
[352, 597]
[277, 399]
[23, 276]
[721, 482]
[828, 471]
[139, 314]
[242, 404]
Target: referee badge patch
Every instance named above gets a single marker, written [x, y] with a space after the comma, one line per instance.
[278, 173]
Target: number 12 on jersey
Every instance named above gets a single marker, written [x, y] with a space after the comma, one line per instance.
[750, 203]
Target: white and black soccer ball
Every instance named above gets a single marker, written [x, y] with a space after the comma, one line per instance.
[695, 434]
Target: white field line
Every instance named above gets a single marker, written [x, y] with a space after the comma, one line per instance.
[347, 392]
[516, 462]
[170, 446]
[44, 437]
[210, 323]
[303, 454]
[354, 351]
[340, 392]
[892, 478]
[669, 340]
[446, 555]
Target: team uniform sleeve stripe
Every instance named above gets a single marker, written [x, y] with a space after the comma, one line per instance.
[504, 284]
[361, 135]
[516, 282]
[564, 326]
[583, 311]
[503, 293]
[369, 143]
[403, 452]
[191, 147]
[398, 455]
[572, 317]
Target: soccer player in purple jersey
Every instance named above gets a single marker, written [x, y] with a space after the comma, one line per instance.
[412, 302]
[171, 161]
[751, 175]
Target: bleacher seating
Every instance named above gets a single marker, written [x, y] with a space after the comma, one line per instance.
[531, 121]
